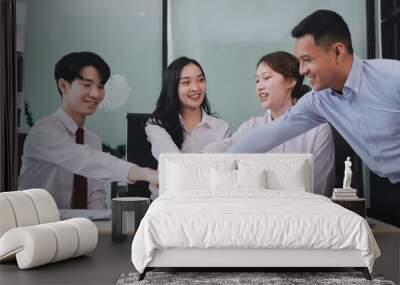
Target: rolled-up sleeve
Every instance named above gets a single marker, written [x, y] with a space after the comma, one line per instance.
[297, 120]
[224, 144]
[60, 149]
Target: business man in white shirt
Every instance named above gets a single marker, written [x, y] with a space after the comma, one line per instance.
[65, 158]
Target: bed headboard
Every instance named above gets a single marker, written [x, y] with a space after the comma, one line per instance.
[284, 171]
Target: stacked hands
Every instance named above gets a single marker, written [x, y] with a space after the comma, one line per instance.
[143, 173]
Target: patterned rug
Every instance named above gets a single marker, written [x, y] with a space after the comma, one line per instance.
[230, 278]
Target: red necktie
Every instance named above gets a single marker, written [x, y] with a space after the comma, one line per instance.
[79, 194]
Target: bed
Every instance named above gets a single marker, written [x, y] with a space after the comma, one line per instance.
[247, 210]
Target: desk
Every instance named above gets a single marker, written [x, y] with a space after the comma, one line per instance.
[103, 227]
[388, 239]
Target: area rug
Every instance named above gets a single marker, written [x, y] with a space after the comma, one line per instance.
[230, 278]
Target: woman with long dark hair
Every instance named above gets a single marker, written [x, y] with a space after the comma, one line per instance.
[182, 120]
[278, 87]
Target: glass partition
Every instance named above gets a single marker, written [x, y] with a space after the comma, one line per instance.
[228, 37]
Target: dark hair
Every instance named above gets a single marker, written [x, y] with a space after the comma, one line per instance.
[166, 114]
[287, 65]
[69, 66]
[327, 27]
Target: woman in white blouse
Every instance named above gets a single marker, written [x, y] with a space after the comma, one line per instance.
[182, 120]
[278, 87]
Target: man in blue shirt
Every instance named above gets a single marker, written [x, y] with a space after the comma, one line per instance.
[360, 98]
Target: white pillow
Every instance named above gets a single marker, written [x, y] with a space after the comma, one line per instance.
[183, 175]
[251, 178]
[292, 178]
[281, 174]
[236, 179]
[223, 179]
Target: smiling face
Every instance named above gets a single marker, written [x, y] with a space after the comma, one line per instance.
[82, 96]
[318, 63]
[192, 87]
[272, 89]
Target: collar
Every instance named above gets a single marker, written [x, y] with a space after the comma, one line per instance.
[67, 121]
[267, 116]
[353, 80]
[205, 120]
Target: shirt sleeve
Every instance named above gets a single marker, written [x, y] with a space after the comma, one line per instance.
[324, 161]
[160, 140]
[397, 68]
[297, 120]
[55, 147]
[224, 144]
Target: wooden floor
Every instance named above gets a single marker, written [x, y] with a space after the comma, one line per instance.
[102, 266]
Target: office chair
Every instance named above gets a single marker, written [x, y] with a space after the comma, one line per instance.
[138, 151]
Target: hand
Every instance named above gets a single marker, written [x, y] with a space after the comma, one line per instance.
[153, 177]
[137, 173]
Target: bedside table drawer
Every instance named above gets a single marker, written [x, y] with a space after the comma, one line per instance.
[357, 205]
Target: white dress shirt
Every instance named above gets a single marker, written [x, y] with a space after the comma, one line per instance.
[51, 157]
[210, 129]
[318, 141]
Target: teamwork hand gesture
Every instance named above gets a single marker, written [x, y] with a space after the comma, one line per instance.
[143, 174]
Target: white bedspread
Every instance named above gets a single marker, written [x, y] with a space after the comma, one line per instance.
[250, 219]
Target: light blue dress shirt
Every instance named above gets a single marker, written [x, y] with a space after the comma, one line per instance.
[367, 115]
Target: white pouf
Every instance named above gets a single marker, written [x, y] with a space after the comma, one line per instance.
[31, 233]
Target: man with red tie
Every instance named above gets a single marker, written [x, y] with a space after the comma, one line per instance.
[65, 158]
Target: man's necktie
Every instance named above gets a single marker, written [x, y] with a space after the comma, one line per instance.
[79, 193]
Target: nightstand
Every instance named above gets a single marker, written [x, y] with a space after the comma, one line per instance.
[357, 205]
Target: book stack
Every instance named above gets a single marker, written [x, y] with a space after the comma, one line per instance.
[343, 194]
